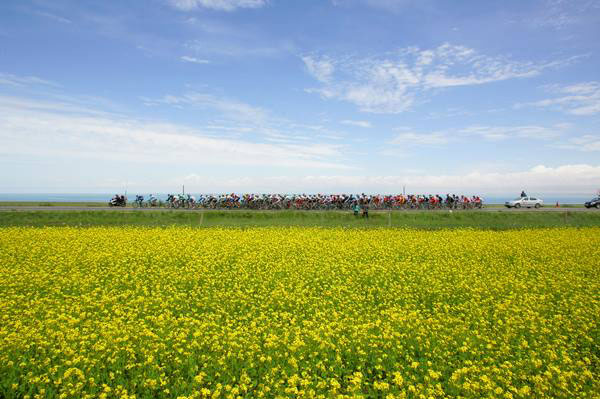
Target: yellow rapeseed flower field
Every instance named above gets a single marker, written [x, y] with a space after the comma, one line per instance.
[299, 313]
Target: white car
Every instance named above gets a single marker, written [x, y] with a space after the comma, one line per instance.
[525, 202]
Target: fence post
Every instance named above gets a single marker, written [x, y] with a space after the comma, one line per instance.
[389, 218]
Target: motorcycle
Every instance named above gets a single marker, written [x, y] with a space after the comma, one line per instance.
[118, 200]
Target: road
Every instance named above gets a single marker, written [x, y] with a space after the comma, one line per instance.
[118, 209]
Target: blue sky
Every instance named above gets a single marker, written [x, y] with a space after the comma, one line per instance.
[300, 96]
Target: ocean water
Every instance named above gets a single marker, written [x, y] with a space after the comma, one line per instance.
[41, 197]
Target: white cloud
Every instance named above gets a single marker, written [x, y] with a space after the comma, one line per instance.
[194, 60]
[221, 5]
[215, 38]
[235, 118]
[585, 143]
[450, 112]
[414, 138]
[364, 124]
[407, 137]
[237, 47]
[233, 109]
[387, 5]
[560, 14]
[72, 107]
[392, 5]
[22, 81]
[576, 99]
[393, 83]
[321, 69]
[507, 132]
[54, 17]
[54, 132]
[34, 130]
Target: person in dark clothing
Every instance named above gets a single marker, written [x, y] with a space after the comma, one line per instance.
[365, 210]
[523, 195]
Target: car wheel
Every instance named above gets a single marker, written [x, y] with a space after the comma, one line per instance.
[517, 205]
[597, 206]
[537, 206]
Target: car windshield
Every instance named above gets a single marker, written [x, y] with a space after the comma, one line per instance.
[518, 199]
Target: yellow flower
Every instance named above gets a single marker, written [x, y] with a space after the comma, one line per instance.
[307, 312]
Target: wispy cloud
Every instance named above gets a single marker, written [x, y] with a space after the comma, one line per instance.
[22, 81]
[234, 117]
[227, 46]
[496, 133]
[559, 14]
[321, 69]
[56, 132]
[233, 109]
[364, 124]
[585, 143]
[194, 60]
[387, 5]
[67, 106]
[227, 117]
[409, 138]
[52, 16]
[577, 99]
[450, 112]
[221, 5]
[213, 37]
[394, 82]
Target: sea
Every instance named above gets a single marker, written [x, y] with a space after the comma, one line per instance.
[105, 197]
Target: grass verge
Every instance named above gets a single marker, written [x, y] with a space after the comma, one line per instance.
[412, 219]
